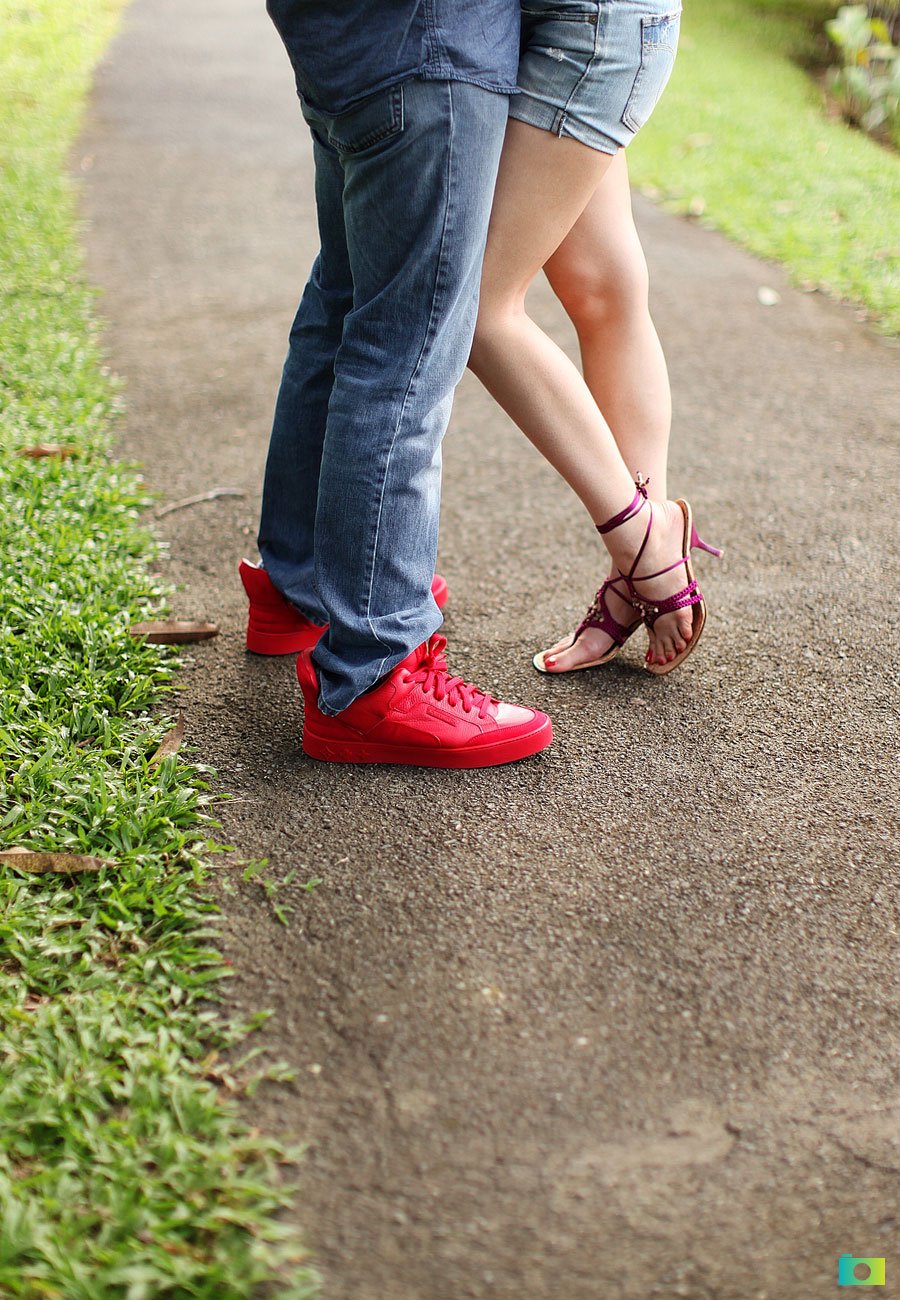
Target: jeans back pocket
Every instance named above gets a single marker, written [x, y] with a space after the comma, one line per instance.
[659, 43]
[367, 124]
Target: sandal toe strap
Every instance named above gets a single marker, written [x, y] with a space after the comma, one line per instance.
[599, 616]
[650, 611]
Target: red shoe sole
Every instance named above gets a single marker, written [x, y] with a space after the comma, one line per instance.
[506, 750]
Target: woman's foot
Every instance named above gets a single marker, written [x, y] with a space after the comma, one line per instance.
[599, 639]
[668, 633]
[603, 631]
[653, 583]
[662, 589]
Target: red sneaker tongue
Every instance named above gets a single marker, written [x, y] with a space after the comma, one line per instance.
[425, 655]
[414, 659]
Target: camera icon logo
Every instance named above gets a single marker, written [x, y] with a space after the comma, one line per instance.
[854, 1270]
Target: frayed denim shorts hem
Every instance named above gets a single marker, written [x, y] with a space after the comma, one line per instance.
[594, 69]
[547, 117]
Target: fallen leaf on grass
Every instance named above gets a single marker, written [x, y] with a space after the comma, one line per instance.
[697, 141]
[43, 449]
[174, 632]
[33, 1001]
[66, 864]
[171, 742]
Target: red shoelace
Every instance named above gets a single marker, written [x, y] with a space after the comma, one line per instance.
[434, 676]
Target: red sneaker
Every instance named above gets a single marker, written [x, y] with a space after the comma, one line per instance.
[420, 715]
[275, 627]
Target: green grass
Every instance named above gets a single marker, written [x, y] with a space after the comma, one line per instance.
[742, 138]
[125, 1169]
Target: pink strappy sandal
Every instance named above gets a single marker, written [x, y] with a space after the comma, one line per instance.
[648, 611]
[690, 596]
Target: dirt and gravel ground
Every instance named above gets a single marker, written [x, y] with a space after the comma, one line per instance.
[622, 1020]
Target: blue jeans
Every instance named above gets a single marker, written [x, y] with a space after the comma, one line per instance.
[349, 524]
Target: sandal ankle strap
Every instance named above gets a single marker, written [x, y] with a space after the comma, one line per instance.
[635, 507]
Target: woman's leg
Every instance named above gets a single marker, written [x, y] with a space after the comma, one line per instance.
[544, 186]
[599, 274]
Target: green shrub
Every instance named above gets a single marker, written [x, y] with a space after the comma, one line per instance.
[867, 85]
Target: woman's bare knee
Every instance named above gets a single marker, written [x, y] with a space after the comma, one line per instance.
[604, 290]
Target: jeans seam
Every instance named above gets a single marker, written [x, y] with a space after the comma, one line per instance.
[439, 285]
[563, 114]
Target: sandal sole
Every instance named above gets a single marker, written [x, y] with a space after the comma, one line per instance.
[563, 672]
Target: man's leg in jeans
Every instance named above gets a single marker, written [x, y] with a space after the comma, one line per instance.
[291, 487]
[419, 163]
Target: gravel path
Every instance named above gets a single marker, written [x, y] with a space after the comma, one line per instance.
[624, 1020]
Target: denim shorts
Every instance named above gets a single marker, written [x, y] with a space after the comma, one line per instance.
[594, 69]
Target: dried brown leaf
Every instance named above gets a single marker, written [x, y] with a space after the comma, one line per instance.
[66, 864]
[174, 632]
[171, 741]
[57, 449]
